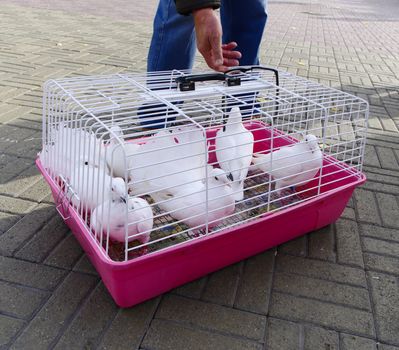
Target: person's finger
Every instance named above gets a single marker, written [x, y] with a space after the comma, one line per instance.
[232, 54]
[222, 68]
[209, 59]
[229, 46]
[228, 62]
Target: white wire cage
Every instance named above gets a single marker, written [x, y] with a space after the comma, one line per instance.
[193, 154]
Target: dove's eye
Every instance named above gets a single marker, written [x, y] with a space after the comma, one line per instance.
[216, 178]
[86, 163]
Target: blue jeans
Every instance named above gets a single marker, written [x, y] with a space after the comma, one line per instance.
[173, 43]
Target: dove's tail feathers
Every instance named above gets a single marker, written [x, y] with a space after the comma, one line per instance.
[143, 237]
[261, 162]
[238, 190]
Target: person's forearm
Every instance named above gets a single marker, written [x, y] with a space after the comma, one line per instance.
[185, 7]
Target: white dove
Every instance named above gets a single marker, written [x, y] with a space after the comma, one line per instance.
[112, 217]
[170, 158]
[93, 186]
[234, 148]
[292, 165]
[188, 203]
[118, 152]
[68, 148]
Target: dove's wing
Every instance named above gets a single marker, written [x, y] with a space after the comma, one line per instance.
[290, 161]
[226, 150]
[244, 155]
[145, 225]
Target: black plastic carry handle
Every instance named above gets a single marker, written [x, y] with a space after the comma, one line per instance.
[245, 69]
[187, 82]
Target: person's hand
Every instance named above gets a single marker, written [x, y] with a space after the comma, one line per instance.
[230, 56]
[209, 41]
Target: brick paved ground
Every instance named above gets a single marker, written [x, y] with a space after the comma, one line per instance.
[337, 288]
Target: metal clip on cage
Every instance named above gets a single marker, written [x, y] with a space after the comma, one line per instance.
[164, 177]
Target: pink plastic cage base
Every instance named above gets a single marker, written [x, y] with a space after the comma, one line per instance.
[134, 281]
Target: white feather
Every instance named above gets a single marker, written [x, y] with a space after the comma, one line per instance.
[111, 217]
[234, 148]
[188, 203]
[292, 165]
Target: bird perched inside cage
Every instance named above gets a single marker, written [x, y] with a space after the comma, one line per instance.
[188, 203]
[117, 154]
[69, 148]
[291, 165]
[111, 216]
[234, 148]
[93, 186]
[169, 158]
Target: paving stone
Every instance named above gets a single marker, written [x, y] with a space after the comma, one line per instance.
[11, 136]
[15, 165]
[84, 265]
[193, 289]
[6, 221]
[381, 263]
[386, 176]
[322, 244]
[374, 123]
[322, 290]
[351, 342]
[387, 158]
[370, 156]
[349, 213]
[385, 296]
[43, 330]
[297, 246]
[25, 228]
[28, 148]
[387, 347]
[367, 206]
[9, 327]
[159, 337]
[325, 314]
[91, 321]
[213, 317]
[319, 338]
[381, 247]
[15, 205]
[282, 335]
[222, 285]
[254, 289]
[320, 269]
[43, 242]
[29, 274]
[389, 209]
[379, 232]
[66, 254]
[20, 301]
[129, 326]
[381, 187]
[21, 182]
[38, 192]
[348, 243]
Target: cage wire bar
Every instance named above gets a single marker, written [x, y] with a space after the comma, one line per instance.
[169, 127]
